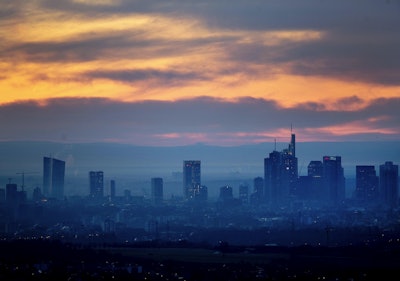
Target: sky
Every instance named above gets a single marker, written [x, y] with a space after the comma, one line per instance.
[166, 73]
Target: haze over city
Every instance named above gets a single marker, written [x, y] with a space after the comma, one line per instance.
[199, 140]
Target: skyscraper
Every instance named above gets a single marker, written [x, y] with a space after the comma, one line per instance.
[191, 178]
[244, 193]
[367, 183]
[11, 194]
[202, 193]
[112, 190]
[157, 192]
[96, 183]
[258, 195]
[315, 169]
[388, 184]
[53, 177]
[280, 174]
[315, 173]
[225, 193]
[334, 181]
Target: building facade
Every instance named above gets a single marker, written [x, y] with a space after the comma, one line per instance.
[96, 184]
[388, 184]
[191, 178]
[367, 185]
[53, 177]
[157, 191]
[333, 180]
[280, 174]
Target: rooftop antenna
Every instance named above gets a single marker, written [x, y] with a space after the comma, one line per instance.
[23, 178]
[275, 144]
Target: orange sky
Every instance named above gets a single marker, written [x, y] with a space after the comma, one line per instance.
[41, 79]
[93, 49]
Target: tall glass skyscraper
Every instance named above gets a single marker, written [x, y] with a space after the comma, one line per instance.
[157, 190]
[96, 182]
[191, 178]
[280, 174]
[367, 183]
[53, 177]
[388, 184]
[334, 181]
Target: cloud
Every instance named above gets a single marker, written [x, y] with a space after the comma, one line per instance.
[207, 120]
[308, 52]
[163, 78]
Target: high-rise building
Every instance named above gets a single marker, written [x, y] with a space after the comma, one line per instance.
[11, 194]
[2, 195]
[201, 193]
[191, 178]
[244, 193]
[53, 177]
[258, 195]
[37, 194]
[388, 184]
[367, 185]
[280, 174]
[112, 190]
[292, 145]
[157, 192]
[96, 183]
[334, 181]
[315, 172]
[226, 193]
[315, 169]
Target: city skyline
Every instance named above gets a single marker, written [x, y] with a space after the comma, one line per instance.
[281, 179]
[218, 73]
[199, 140]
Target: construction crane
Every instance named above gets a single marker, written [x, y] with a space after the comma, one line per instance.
[23, 177]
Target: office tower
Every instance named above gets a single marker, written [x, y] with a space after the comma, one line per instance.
[191, 178]
[367, 183]
[37, 194]
[280, 174]
[388, 184]
[201, 193]
[53, 177]
[127, 195]
[157, 190]
[258, 184]
[244, 193]
[258, 195]
[96, 182]
[333, 179]
[2, 195]
[226, 193]
[289, 169]
[112, 190]
[272, 177]
[292, 145]
[11, 194]
[315, 171]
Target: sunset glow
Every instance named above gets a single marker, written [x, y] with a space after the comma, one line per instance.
[176, 52]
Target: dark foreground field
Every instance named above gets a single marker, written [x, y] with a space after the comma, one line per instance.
[53, 260]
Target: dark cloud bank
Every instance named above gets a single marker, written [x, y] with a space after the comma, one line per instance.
[104, 120]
